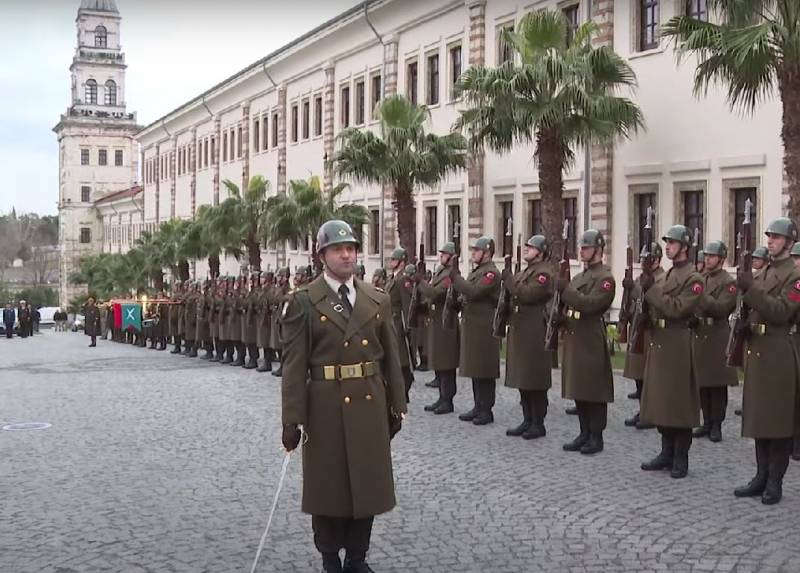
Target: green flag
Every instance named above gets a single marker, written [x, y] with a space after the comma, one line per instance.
[131, 316]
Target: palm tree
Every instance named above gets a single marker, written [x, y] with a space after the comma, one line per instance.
[301, 212]
[242, 213]
[171, 238]
[153, 258]
[753, 49]
[403, 156]
[560, 95]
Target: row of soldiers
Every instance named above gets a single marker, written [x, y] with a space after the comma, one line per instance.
[682, 370]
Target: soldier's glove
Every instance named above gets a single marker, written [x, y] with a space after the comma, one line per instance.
[628, 283]
[561, 284]
[395, 424]
[646, 282]
[291, 436]
[744, 280]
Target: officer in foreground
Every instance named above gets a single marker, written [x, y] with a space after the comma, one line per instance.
[342, 384]
[769, 401]
[586, 369]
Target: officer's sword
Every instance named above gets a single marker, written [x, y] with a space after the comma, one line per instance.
[285, 466]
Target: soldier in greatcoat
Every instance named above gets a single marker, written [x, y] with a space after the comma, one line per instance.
[634, 363]
[342, 384]
[399, 287]
[190, 314]
[670, 397]
[280, 296]
[527, 362]
[224, 320]
[480, 350]
[711, 339]
[586, 375]
[174, 317]
[264, 320]
[443, 343]
[92, 321]
[202, 330]
[214, 302]
[770, 413]
[249, 323]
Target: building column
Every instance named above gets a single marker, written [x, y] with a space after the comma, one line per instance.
[602, 156]
[193, 171]
[328, 137]
[245, 146]
[215, 156]
[476, 177]
[158, 182]
[173, 176]
[281, 183]
[389, 216]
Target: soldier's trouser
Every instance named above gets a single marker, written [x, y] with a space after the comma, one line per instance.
[714, 402]
[592, 415]
[229, 348]
[779, 451]
[537, 403]
[334, 533]
[680, 439]
[484, 390]
[253, 352]
[408, 378]
[447, 385]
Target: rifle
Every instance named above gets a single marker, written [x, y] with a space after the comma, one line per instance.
[625, 307]
[414, 305]
[642, 313]
[734, 351]
[502, 312]
[451, 304]
[557, 307]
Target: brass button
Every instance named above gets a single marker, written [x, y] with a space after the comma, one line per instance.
[378, 316]
[749, 352]
[368, 397]
[346, 343]
[323, 318]
[347, 399]
[365, 342]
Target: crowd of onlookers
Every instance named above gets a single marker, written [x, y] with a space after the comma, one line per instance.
[22, 319]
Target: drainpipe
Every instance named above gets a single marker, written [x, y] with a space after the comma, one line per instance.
[587, 158]
[266, 73]
[205, 105]
[383, 95]
[164, 127]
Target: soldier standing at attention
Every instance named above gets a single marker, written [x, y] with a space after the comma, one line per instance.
[760, 258]
[249, 323]
[710, 341]
[528, 363]
[769, 406]
[796, 339]
[280, 296]
[174, 316]
[263, 321]
[670, 398]
[213, 320]
[634, 363]
[190, 312]
[399, 286]
[91, 325]
[236, 310]
[379, 278]
[443, 344]
[480, 350]
[586, 369]
[225, 310]
[343, 384]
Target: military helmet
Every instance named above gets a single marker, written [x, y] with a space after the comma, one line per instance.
[448, 248]
[679, 233]
[762, 253]
[717, 248]
[399, 254]
[335, 232]
[592, 238]
[379, 272]
[269, 275]
[410, 270]
[795, 250]
[656, 250]
[283, 272]
[300, 270]
[782, 226]
[701, 256]
[539, 242]
[483, 244]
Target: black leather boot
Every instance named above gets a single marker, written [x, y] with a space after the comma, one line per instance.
[331, 563]
[633, 420]
[635, 395]
[432, 407]
[228, 353]
[779, 453]
[663, 461]
[278, 371]
[572, 410]
[756, 485]
[487, 388]
[538, 405]
[796, 449]
[703, 430]
[177, 349]
[356, 563]
[594, 445]
[680, 459]
[447, 392]
[527, 417]
[239, 354]
[252, 357]
[583, 437]
[470, 415]
[715, 433]
[266, 364]
[434, 383]
[193, 352]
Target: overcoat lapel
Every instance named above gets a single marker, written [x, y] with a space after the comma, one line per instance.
[327, 302]
[363, 312]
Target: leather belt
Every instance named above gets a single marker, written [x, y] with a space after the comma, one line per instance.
[345, 371]
[759, 329]
[574, 314]
[667, 323]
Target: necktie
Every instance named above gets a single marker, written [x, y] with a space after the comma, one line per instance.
[343, 292]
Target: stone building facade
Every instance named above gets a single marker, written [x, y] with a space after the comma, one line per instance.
[695, 163]
[98, 155]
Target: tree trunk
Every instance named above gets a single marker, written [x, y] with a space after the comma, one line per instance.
[183, 269]
[550, 154]
[406, 219]
[213, 266]
[789, 84]
[254, 254]
[158, 280]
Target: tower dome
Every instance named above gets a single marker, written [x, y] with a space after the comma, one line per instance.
[99, 6]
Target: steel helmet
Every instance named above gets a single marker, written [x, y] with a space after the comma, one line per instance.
[539, 242]
[592, 238]
[679, 233]
[483, 244]
[448, 248]
[762, 253]
[399, 254]
[335, 232]
[783, 226]
[717, 248]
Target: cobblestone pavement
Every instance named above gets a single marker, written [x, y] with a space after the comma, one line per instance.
[162, 463]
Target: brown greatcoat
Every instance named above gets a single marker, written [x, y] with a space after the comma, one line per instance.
[91, 325]
[222, 316]
[201, 317]
[711, 334]
[634, 363]
[399, 287]
[190, 315]
[174, 313]
[213, 309]
[233, 320]
[442, 343]
[280, 295]
[249, 311]
[527, 362]
[347, 461]
[264, 317]
[480, 350]
[182, 314]
[670, 395]
[770, 393]
[586, 369]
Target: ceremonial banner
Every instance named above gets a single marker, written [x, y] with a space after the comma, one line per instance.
[117, 310]
[131, 316]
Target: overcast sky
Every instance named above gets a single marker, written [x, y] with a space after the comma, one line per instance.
[175, 49]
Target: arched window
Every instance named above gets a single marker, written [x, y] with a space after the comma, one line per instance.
[111, 93]
[100, 37]
[91, 92]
